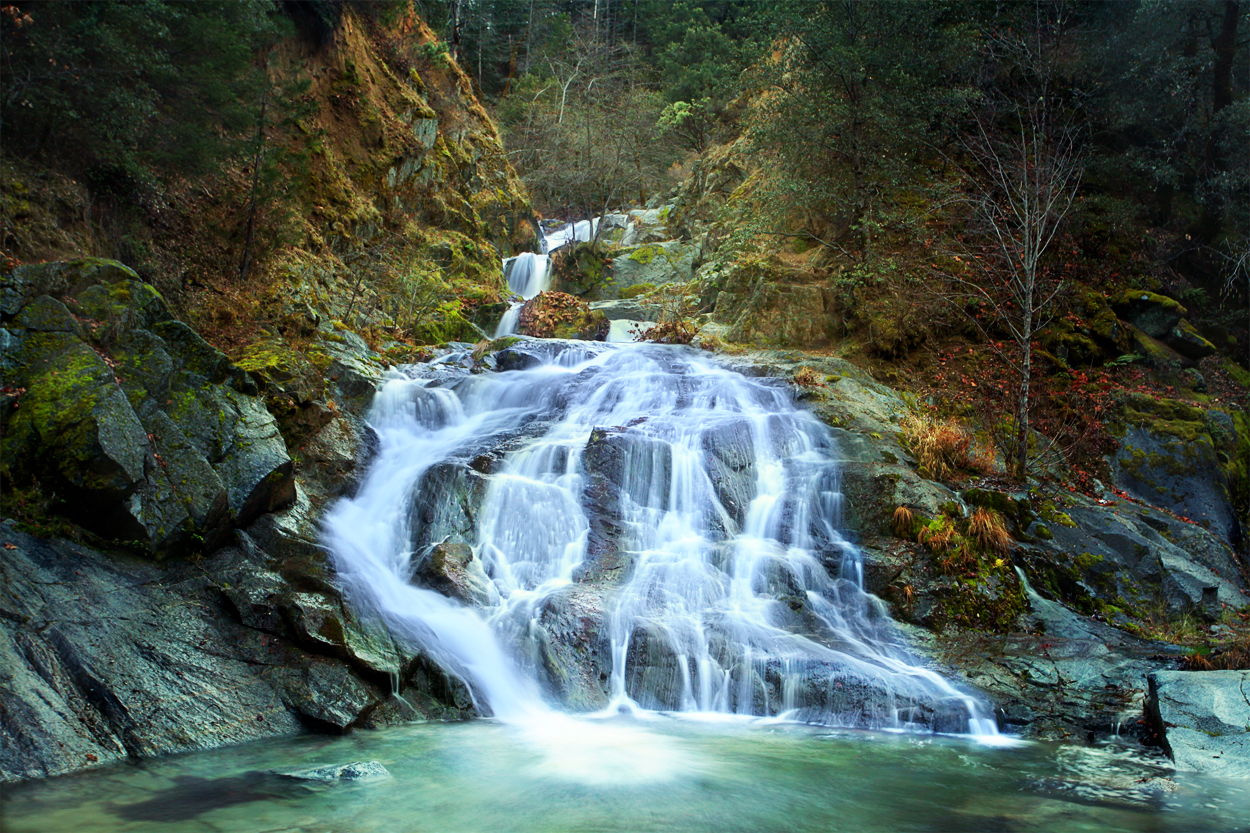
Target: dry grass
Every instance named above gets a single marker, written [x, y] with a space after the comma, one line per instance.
[988, 531]
[943, 447]
[904, 520]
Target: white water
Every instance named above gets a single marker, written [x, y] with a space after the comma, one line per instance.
[742, 597]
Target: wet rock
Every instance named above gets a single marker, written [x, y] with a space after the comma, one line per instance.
[573, 649]
[654, 672]
[730, 450]
[1202, 718]
[107, 657]
[445, 507]
[452, 569]
[355, 771]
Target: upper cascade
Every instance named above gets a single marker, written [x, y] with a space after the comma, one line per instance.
[529, 274]
[626, 527]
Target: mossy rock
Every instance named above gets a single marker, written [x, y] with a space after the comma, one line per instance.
[74, 422]
[1153, 314]
[1187, 341]
[58, 278]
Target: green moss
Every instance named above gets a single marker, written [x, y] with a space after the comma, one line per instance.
[636, 290]
[1042, 532]
[1130, 296]
[1236, 372]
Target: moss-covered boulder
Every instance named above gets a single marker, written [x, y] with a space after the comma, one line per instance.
[658, 263]
[143, 432]
[1187, 341]
[1153, 314]
[1168, 457]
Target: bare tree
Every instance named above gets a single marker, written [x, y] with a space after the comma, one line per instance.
[1023, 161]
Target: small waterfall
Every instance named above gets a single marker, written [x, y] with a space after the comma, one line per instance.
[686, 514]
[527, 273]
[527, 276]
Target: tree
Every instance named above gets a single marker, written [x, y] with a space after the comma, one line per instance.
[850, 100]
[583, 130]
[1024, 158]
[132, 91]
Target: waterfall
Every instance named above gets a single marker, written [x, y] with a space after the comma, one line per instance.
[652, 532]
[527, 274]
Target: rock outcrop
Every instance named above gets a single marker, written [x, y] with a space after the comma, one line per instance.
[109, 656]
[1203, 719]
[146, 432]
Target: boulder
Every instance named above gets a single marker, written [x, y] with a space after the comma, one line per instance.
[656, 264]
[648, 225]
[784, 313]
[1187, 341]
[1203, 719]
[453, 570]
[152, 436]
[1153, 314]
[1168, 457]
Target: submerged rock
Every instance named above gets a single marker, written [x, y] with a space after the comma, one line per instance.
[355, 771]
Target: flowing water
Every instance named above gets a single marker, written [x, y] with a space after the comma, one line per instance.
[620, 775]
[689, 513]
[527, 274]
[687, 516]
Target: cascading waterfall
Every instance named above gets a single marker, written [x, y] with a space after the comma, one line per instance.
[528, 274]
[668, 523]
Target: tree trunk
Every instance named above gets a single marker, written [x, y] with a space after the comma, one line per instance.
[1019, 463]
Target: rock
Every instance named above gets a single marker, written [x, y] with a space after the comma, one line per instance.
[76, 428]
[1174, 463]
[1187, 341]
[649, 225]
[1153, 314]
[152, 435]
[453, 570]
[107, 657]
[652, 263]
[626, 310]
[1203, 719]
[355, 771]
[784, 314]
[30, 280]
